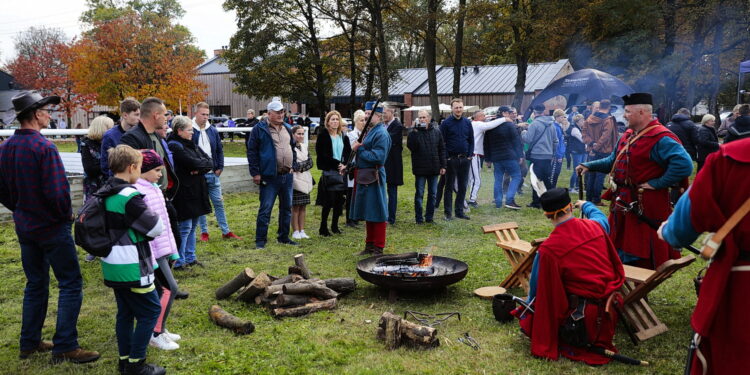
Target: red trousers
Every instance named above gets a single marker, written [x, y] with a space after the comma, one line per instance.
[376, 234]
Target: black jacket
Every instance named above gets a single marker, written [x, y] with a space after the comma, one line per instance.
[503, 143]
[394, 164]
[427, 151]
[686, 131]
[191, 164]
[91, 158]
[324, 152]
[740, 129]
[574, 145]
[139, 139]
[708, 142]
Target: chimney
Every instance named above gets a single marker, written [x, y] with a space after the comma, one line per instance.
[218, 52]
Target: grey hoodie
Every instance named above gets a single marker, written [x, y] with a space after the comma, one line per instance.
[543, 130]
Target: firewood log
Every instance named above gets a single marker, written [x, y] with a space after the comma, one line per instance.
[395, 331]
[304, 309]
[256, 287]
[286, 300]
[227, 320]
[341, 285]
[299, 261]
[318, 290]
[291, 278]
[245, 277]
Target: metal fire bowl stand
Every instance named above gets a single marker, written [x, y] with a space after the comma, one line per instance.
[454, 271]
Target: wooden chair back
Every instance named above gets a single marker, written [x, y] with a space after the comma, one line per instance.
[521, 273]
[662, 273]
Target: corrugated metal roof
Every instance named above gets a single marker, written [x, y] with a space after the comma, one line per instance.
[495, 79]
[214, 65]
[408, 80]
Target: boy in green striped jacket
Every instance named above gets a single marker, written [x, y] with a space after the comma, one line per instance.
[129, 268]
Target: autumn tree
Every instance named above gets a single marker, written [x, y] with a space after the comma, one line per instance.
[43, 64]
[136, 49]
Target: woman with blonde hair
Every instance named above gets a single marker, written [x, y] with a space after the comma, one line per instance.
[332, 154]
[91, 147]
[358, 121]
[708, 140]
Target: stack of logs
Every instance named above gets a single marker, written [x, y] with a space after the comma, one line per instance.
[295, 294]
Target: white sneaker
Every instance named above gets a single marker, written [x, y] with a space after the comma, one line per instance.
[303, 235]
[163, 342]
[296, 235]
[172, 336]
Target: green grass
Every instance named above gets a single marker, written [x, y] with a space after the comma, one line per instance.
[341, 341]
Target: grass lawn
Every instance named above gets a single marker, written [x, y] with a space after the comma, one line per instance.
[341, 341]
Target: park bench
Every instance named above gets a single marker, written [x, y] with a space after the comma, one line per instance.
[639, 282]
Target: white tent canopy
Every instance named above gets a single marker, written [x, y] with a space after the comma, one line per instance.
[443, 108]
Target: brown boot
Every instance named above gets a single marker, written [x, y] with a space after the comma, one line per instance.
[76, 356]
[44, 346]
[369, 248]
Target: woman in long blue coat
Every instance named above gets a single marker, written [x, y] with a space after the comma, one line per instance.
[370, 199]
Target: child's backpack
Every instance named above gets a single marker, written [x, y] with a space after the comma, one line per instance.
[91, 230]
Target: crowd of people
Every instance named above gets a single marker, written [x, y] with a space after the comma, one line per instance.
[159, 187]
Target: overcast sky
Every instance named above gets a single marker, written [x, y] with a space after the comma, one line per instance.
[210, 25]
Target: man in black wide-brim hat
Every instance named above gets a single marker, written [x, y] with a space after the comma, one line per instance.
[34, 187]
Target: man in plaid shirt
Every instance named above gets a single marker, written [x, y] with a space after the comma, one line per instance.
[34, 187]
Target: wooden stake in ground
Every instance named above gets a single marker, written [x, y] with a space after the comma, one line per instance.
[396, 331]
[227, 320]
[281, 312]
[299, 261]
[257, 286]
[245, 277]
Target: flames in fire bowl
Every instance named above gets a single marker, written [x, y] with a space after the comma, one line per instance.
[412, 271]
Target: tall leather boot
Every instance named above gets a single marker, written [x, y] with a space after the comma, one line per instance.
[323, 231]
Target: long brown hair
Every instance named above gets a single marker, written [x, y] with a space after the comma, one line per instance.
[341, 121]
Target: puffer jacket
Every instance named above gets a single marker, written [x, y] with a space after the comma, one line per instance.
[164, 244]
[600, 133]
[131, 263]
[740, 129]
[686, 131]
[427, 151]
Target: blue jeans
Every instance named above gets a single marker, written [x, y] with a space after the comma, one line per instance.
[187, 242]
[38, 253]
[503, 167]
[270, 188]
[419, 182]
[595, 181]
[144, 308]
[214, 192]
[392, 203]
[577, 159]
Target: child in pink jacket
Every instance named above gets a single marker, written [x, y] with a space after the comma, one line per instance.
[163, 247]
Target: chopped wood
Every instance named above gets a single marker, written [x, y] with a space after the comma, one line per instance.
[227, 320]
[294, 270]
[286, 300]
[312, 307]
[396, 331]
[257, 286]
[291, 278]
[245, 277]
[318, 290]
[341, 285]
[299, 261]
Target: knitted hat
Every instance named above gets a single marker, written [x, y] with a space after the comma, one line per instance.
[151, 160]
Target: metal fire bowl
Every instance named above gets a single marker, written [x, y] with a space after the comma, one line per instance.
[455, 271]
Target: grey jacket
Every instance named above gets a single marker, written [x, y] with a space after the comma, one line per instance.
[543, 130]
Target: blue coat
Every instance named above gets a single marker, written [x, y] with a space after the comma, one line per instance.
[217, 150]
[261, 154]
[370, 201]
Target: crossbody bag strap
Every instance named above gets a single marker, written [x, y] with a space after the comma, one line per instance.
[713, 241]
[627, 146]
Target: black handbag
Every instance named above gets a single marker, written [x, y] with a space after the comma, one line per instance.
[367, 176]
[573, 330]
[334, 181]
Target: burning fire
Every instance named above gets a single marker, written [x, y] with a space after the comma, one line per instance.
[421, 265]
[426, 260]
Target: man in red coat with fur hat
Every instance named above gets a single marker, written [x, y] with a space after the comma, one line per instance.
[648, 161]
[575, 271]
[720, 316]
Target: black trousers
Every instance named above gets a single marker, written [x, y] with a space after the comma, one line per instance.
[543, 172]
[456, 176]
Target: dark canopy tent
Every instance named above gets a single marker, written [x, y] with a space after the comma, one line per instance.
[583, 85]
[744, 69]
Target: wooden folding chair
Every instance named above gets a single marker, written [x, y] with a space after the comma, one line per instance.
[638, 284]
[521, 272]
[515, 248]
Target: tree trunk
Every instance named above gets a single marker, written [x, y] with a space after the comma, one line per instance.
[320, 78]
[521, 56]
[245, 277]
[281, 312]
[715, 67]
[353, 68]
[698, 42]
[459, 48]
[377, 16]
[430, 52]
[227, 320]
[372, 62]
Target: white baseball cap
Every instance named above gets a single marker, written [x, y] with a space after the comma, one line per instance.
[275, 104]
